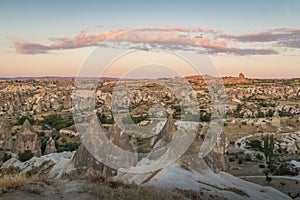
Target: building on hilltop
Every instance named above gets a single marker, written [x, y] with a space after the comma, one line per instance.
[241, 76]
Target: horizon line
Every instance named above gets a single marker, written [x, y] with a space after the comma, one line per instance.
[133, 78]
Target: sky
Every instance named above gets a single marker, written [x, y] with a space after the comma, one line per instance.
[56, 38]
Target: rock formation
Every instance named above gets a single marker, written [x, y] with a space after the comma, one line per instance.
[276, 119]
[50, 146]
[83, 160]
[5, 134]
[27, 139]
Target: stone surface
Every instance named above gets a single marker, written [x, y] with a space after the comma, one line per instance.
[50, 146]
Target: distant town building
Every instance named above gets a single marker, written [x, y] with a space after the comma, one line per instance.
[241, 76]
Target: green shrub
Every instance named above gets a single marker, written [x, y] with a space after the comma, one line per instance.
[262, 166]
[22, 119]
[247, 157]
[63, 140]
[104, 120]
[255, 144]
[268, 179]
[133, 120]
[260, 114]
[270, 113]
[259, 157]
[240, 160]
[272, 168]
[231, 159]
[26, 155]
[71, 146]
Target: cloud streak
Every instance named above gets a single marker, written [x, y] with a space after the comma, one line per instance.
[81, 40]
[173, 37]
[284, 37]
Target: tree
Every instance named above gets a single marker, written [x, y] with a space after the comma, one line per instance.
[270, 113]
[268, 179]
[56, 121]
[269, 147]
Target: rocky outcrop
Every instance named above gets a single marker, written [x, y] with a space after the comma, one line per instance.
[50, 146]
[172, 177]
[166, 135]
[83, 162]
[289, 142]
[276, 119]
[51, 165]
[211, 185]
[216, 159]
[5, 134]
[27, 140]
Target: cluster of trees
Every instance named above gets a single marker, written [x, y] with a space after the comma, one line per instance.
[22, 119]
[203, 117]
[265, 104]
[133, 120]
[104, 120]
[66, 146]
[270, 113]
[56, 121]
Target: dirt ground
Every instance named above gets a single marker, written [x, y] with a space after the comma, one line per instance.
[285, 185]
[60, 189]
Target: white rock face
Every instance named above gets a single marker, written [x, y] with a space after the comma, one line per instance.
[170, 177]
[297, 164]
[68, 132]
[54, 163]
[222, 184]
[290, 142]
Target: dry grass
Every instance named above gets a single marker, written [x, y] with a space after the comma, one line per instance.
[14, 181]
[132, 192]
[104, 187]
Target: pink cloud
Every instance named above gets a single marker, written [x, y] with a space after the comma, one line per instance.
[285, 37]
[178, 28]
[31, 48]
[81, 40]
[168, 37]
